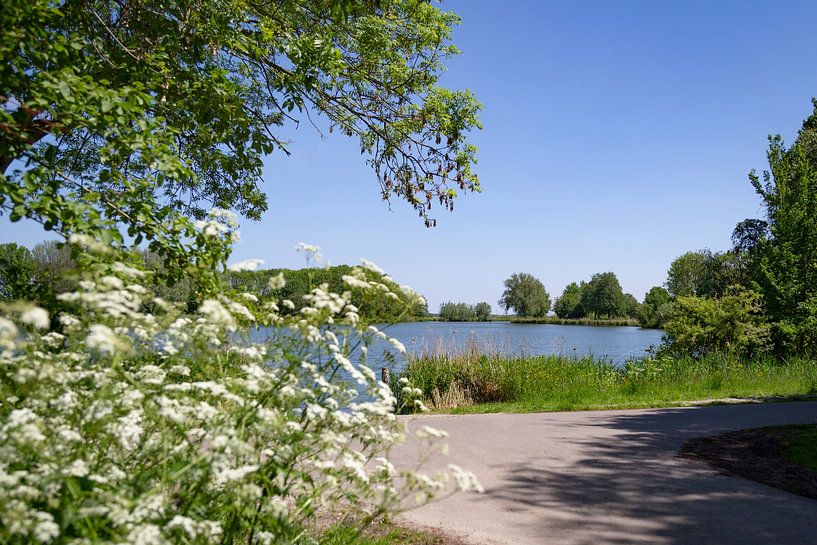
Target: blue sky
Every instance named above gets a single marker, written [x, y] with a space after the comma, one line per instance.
[618, 135]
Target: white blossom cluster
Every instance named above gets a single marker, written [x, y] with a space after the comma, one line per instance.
[130, 426]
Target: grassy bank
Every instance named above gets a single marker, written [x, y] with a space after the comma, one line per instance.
[553, 320]
[474, 382]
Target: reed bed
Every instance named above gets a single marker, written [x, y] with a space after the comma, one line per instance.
[478, 381]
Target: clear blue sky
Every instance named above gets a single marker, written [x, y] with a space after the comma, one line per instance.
[618, 135]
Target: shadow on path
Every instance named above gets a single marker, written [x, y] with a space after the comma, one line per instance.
[625, 484]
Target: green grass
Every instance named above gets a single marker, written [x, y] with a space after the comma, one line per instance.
[801, 444]
[474, 382]
[382, 534]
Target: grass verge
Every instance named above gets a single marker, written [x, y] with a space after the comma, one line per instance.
[386, 534]
[475, 382]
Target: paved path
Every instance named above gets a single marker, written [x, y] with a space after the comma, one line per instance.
[611, 477]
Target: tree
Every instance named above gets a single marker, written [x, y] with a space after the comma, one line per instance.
[704, 274]
[130, 117]
[656, 309]
[526, 295]
[734, 322]
[632, 307]
[748, 234]
[603, 296]
[482, 311]
[785, 257]
[569, 304]
[16, 272]
[463, 312]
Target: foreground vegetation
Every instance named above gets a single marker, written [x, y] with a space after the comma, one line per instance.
[385, 534]
[474, 382]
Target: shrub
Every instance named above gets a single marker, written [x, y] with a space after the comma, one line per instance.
[166, 427]
[734, 323]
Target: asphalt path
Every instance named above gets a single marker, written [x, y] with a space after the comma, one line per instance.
[610, 477]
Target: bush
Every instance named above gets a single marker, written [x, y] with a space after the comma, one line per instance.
[164, 427]
[733, 323]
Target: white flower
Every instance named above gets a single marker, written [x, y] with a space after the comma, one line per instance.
[466, 480]
[366, 264]
[128, 429]
[313, 253]
[78, 468]
[229, 218]
[400, 347]
[36, 317]
[427, 432]
[146, 534]
[277, 282]
[103, 339]
[45, 528]
[217, 313]
[246, 265]
[229, 475]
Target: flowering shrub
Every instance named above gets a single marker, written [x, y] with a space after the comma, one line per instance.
[129, 426]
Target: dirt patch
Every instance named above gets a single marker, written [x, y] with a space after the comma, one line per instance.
[758, 454]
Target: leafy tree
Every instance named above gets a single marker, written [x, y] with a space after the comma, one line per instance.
[734, 322]
[126, 117]
[526, 295]
[748, 234]
[456, 312]
[603, 296]
[656, 309]
[569, 304]
[300, 282]
[632, 307]
[482, 311]
[16, 272]
[463, 312]
[784, 258]
[704, 274]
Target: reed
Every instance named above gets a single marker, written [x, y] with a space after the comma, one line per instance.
[472, 380]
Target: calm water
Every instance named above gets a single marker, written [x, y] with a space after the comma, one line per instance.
[616, 344]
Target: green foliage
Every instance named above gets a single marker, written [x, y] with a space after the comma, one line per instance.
[120, 117]
[16, 272]
[301, 282]
[526, 295]
[463, 312]
[494, 382]
[632, 308]
[482, 311]
[569, 304]
[656, 309]
[733, 323]
[704, 274]
[783, 261]
[602, 296]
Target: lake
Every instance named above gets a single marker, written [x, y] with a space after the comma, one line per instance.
[616, 344]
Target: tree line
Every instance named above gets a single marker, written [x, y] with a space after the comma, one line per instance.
[759, 296]
[41, 274]
[463, 312]
[600, 298]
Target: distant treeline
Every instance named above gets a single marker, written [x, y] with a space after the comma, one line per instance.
[300, 282]
[758, 297]
[47, 270]
[463, 312]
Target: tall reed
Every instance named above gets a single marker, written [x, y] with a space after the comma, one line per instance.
[492, 381]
